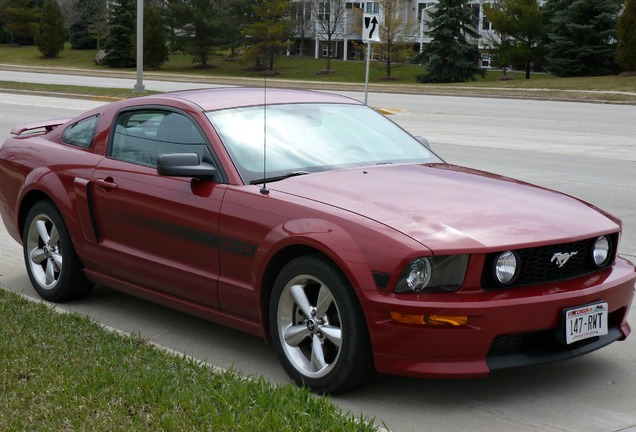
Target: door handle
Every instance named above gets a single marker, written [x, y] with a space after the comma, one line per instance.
[107, 184]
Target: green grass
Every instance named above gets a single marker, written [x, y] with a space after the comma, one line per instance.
[65, 372]
[30, 56]
[95, 92]
[291, 67]
[293, 71]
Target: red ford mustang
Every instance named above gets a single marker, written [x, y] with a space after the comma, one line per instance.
[318, 224]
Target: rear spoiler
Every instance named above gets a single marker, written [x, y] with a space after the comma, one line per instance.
[38, 127]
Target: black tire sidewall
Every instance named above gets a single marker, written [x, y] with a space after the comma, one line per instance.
[71, 283]
[354, 360]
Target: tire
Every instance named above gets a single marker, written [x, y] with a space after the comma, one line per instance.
[318, 328]
[54, 269]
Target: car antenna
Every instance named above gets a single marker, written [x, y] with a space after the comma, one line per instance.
[264, 189]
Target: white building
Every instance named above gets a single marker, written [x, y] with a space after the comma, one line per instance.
[317, 21]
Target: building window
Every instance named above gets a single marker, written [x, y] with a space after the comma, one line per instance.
[373, 7]
[486, 25]
[421, 9]
[325, 50]
[323, 11]
[475, 8]
[300, 12]
[485, 60]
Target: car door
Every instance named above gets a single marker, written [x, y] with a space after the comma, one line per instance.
[155, 231]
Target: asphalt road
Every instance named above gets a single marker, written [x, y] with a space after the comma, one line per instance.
[582, 149]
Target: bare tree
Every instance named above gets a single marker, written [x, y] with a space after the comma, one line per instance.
[67, 8]
[98, 29]
[300, 14]
[86, 14]
[396, 31]
[330, 19]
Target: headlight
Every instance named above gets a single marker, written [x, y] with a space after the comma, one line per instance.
[601, 251]
[418, 275]
[506, 264]
[433, 274]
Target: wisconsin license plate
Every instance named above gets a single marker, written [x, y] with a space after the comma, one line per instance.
[585, 322]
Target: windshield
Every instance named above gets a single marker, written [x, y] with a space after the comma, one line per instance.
[311, 138]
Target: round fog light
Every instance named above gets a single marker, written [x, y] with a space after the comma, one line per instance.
[506, 267]
[601, 250]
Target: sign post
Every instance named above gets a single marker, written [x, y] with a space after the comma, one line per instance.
[370, 33]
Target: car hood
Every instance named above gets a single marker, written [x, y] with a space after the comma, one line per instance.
[451, 209]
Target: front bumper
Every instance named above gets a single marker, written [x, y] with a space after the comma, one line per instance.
[506, 328]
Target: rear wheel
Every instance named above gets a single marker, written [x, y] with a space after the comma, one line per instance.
[318, 328]
[55, 271]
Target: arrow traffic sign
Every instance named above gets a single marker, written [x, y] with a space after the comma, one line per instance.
[370, 28]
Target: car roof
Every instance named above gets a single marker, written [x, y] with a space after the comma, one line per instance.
[231, 97]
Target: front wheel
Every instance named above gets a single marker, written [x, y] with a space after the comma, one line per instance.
[55, 271]
[318, 328]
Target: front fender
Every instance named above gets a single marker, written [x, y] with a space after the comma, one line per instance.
[319, 235]
[260, 234]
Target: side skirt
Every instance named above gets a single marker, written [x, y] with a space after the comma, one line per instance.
[179, 304]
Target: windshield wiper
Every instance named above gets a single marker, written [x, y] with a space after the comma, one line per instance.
[280, 177]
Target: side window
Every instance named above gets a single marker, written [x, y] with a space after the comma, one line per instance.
[81, 134]
[141, 136]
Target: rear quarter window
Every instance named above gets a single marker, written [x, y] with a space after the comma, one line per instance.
[81, 133]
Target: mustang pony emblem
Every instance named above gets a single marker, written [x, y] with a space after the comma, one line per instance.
[562, 258]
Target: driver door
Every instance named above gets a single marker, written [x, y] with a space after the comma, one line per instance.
[157, 232]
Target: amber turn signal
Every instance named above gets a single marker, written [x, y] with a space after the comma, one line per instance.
[430, 320]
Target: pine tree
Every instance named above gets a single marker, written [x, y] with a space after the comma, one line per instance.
[121, 35]
[19, 20]
[626, 51]
[520, 25]
[241, 15]
[155, 48]
[450, 57]
[581, 37]
[50, 36]
[269, 32]
[202, 26]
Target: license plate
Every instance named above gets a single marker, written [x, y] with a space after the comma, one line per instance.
[585, 322]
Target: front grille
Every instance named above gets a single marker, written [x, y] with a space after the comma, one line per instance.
[538, 265]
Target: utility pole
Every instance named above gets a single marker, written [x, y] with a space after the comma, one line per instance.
[139, 86]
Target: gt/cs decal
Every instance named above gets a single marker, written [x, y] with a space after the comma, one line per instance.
[237, 247]
[226, 244]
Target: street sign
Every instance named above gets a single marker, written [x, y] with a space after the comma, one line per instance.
[370, 33]
[370, 28]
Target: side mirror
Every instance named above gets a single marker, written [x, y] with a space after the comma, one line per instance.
[183, 165]
[424, 142]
